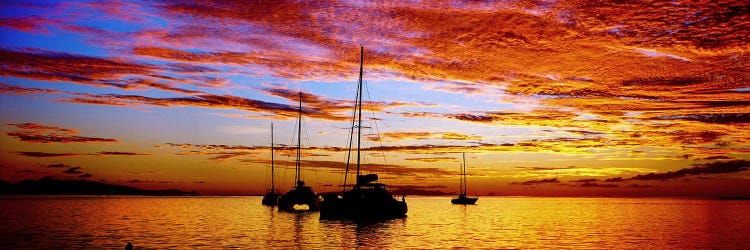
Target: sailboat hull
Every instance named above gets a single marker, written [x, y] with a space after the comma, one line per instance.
[465, 200]
[271, 199]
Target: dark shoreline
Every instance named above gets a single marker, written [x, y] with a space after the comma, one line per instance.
[51, 186]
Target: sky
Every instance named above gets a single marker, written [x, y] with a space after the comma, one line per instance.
[545, 98]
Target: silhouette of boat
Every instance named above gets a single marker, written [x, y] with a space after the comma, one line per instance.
[271, 198]
[366, 200]
[300, 198]
[462, 198]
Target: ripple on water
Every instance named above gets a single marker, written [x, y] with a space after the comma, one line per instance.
[496, 222]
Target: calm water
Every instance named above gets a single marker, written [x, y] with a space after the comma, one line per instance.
[496, 222]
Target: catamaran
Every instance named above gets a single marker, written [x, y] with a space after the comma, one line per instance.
[366, 200]
[300, 198]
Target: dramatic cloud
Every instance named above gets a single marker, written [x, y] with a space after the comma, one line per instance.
[58, 165]
[534, 182]
[119, 153]
[593, 184]
[99, 72]
[323, 104]
[381, 169]
[9, 89]
[47, 155]
[590, 82]
[700, 169]
[284, 111]
[37, 133]
[725, 118]
[397, 136]
[615, 179]
[27, 24]
[73, 170]
[585, 180]
[546, 168]
[220, 156]
[57, 66]
[434, 159]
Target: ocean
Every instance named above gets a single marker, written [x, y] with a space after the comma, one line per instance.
[98, 222]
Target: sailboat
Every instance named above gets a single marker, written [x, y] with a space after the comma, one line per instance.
[366, 200]
[300, 198]
[462, 198]
[271, 198]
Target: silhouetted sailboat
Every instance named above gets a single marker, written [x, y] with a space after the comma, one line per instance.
[365, 200]
[271, 198]
[462, 199]
[300, 198]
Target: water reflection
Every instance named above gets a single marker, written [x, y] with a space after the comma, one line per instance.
[350, 234]
[240, 222]
[271, 231]
[373, 234]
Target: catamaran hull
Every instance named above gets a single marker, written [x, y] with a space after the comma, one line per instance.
[334, 207]
[299, 201]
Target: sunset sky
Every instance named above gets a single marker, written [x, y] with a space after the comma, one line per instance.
[548, 98]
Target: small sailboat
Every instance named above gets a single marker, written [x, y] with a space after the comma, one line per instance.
[300, 198]
[366, 200]
[271, 198]
[462, 198]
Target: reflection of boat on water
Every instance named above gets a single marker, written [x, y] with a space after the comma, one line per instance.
[300, 198]
[366, 200]
[271, 198]
[462, 198]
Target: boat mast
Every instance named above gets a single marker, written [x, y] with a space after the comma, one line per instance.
[297, 172]
[359, 94]
[463, 155]
[273, 189]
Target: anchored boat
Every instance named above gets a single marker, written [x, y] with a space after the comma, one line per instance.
[300, 198]
[462, 198]
[366, 200]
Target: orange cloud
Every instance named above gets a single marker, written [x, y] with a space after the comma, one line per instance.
[382, 169]
[10, 89]
[534, 182]
[328, 105]
[433, 159]
[718, 167]
[397, 136]
[100, 72]
[37, 133]
[31, 24]
[56, 66]
[48, 155]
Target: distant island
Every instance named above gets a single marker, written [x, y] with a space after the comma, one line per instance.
[416, 191]
[51, 186]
